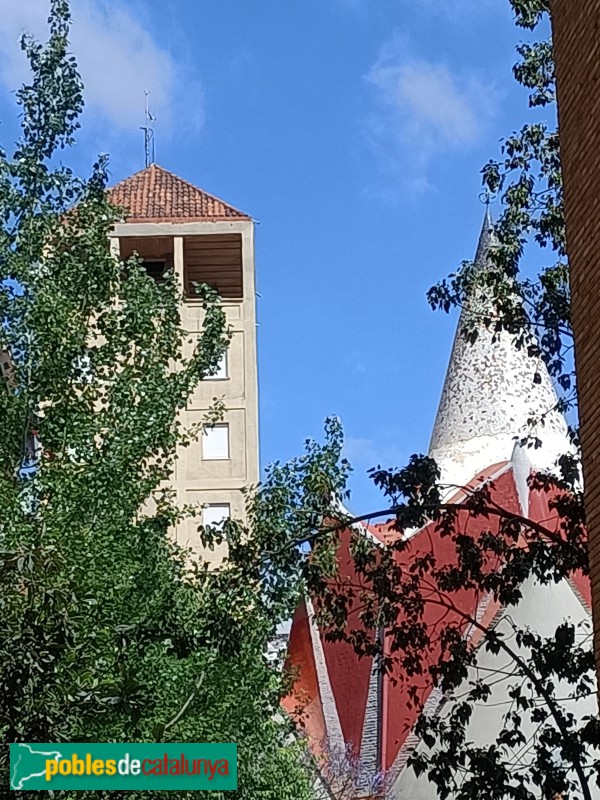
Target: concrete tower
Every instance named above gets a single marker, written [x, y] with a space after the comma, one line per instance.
[171, 223]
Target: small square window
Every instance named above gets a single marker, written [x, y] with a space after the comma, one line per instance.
[222, 369]
[215, 514]
[215, 443]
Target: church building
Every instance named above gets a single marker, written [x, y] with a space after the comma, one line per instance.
[487, 405]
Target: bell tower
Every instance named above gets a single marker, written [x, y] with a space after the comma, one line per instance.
[172, 224]
[492, 394]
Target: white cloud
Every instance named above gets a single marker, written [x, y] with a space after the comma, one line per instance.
[422, 109]
[118, 59]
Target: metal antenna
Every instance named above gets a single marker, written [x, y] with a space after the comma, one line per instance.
[148, 129]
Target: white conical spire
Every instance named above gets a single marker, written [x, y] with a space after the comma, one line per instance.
[488, 397]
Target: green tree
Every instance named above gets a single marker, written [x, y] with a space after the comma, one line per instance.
[108, 632]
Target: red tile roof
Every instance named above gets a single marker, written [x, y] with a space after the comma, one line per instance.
[395, 709]
[156, 195]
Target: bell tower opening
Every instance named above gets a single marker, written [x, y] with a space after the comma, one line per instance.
[156, 252]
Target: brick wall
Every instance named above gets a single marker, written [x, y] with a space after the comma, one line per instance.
[576, 31]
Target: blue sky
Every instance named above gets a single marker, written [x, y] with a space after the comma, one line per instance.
[354, 131]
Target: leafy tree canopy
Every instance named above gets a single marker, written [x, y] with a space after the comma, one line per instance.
[108, 632]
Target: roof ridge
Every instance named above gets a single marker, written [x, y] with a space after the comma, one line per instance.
[193, 186]
[183, 200]
[128, 178]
